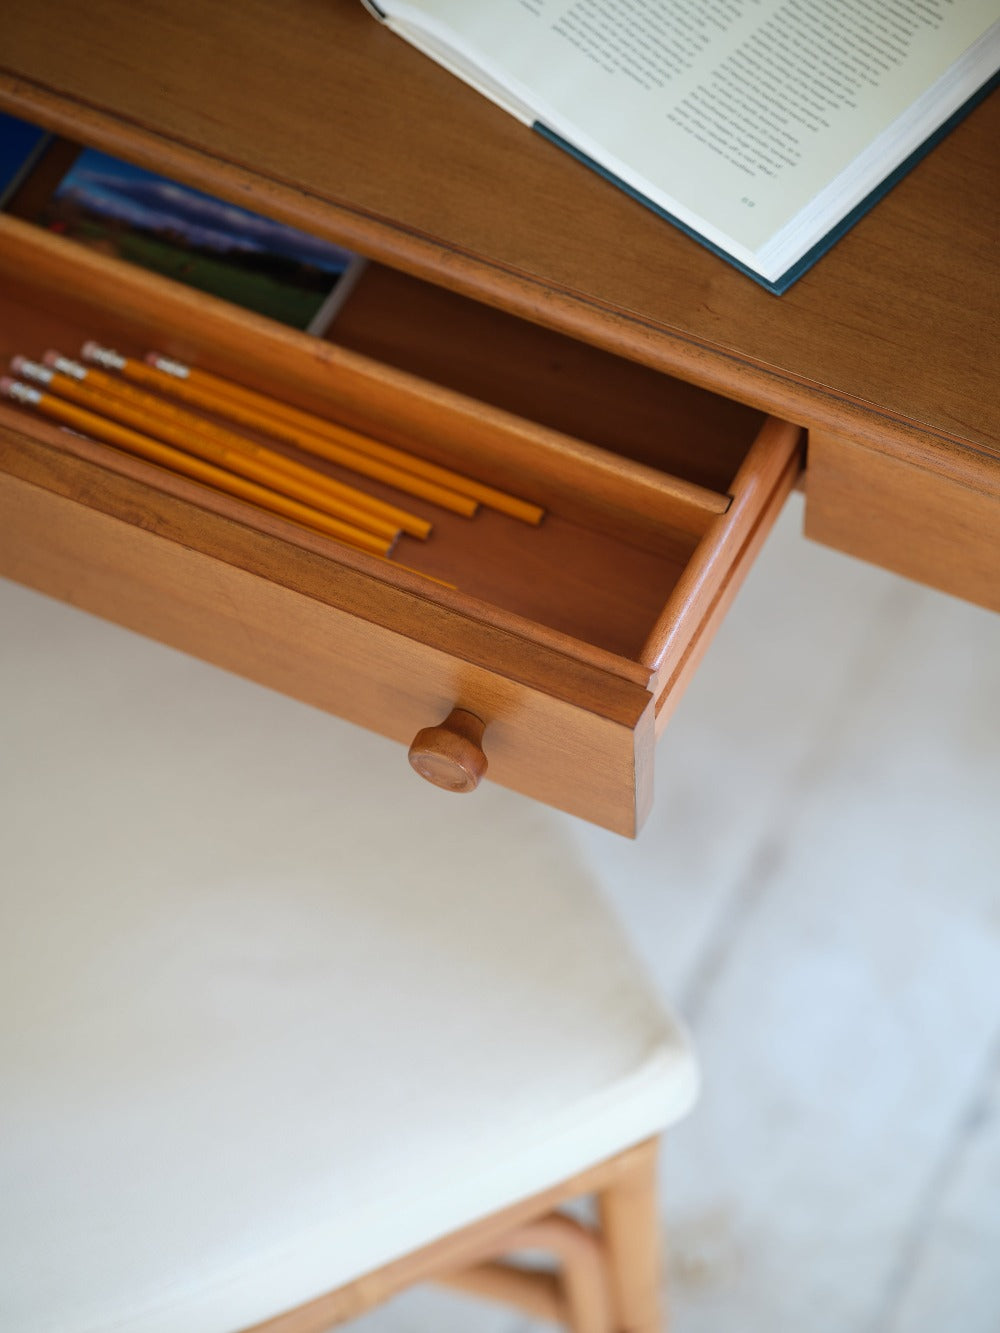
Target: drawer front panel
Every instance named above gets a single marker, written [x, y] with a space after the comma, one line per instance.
[593, 764]
[941, 528]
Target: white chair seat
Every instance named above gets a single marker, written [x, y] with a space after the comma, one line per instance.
[272, 1011]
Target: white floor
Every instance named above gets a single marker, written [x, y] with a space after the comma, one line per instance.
[818, 890]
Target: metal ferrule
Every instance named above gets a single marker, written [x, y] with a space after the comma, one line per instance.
[169, 366]
[102, 356]
[31, 370]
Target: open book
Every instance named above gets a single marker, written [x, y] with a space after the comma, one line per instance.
[762, 127]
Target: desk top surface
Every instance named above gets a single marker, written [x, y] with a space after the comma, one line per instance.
[311, 111]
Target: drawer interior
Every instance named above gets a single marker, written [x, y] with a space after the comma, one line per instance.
[547, 377]
[632, 468]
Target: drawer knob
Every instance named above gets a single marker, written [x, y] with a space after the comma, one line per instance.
[451, 755]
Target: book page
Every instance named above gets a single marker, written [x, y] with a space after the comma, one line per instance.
[731, 114]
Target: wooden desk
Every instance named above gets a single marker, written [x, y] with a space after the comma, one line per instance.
[886, 353]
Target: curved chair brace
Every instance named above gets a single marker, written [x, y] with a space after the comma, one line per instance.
[608, 1277]
[577, 1293]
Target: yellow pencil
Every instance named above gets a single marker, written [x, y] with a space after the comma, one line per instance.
[190, 440]
[345, 502]
[400, 519]
[340, 451]
[111, 432]
[266, 406]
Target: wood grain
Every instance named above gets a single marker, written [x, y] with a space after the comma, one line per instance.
[932, 525]
[298, 641]
[365, 588]
[546, 377]
[599, 575]
[450, 754]
[567, 474]
[627, 570]
[417, 175]
[674, 677]
[767, 475]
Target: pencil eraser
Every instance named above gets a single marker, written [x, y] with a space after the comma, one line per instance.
[21, 393]
[50, 357]
[104, 356]
[16, 364]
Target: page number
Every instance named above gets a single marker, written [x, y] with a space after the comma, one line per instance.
[750, 203]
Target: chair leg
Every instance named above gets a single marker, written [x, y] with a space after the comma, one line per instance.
[630, 1229]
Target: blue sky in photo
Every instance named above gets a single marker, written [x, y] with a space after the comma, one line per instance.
[17, 140]
[140, 198]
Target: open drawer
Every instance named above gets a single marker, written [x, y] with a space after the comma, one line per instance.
[570, 641]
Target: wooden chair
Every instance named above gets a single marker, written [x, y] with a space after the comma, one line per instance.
[285, 1030]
